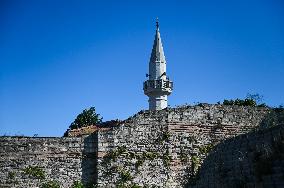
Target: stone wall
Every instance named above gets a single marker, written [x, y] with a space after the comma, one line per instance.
[61, 159]
[152, 148]
[161, 148]
[252, 160]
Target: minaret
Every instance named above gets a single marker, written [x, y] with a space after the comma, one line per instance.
[158, 86]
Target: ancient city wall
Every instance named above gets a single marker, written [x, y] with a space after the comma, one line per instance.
[165, 148]
[252, 160]
[30, 162]
[153, 148]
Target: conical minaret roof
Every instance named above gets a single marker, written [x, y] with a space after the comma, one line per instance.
[157, 50]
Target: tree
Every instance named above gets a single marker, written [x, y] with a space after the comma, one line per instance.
[86, 118]
[256, 97]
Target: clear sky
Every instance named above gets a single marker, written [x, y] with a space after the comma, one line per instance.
[60, 57]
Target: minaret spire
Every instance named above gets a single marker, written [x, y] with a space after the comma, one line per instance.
[157, 54]
[158, 86]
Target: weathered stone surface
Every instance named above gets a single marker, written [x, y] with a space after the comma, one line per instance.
[179, 138]
[62, 159]
[252, 160]
[155, 148]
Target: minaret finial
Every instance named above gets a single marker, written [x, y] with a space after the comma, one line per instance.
[157, 23]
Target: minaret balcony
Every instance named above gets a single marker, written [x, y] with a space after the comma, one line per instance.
[158, 87]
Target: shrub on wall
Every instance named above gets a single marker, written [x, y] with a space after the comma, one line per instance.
[86, 118]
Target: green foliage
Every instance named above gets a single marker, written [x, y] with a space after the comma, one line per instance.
[228, 102]
[195, 159]
[11, 175]
[121, 185]
[50, 184]
[255, 97]
[125, 176]
[113, 154]
[240, 102]
[250, 100]
[194, 173]
[195, 162]
[183, 156]
[145, 156]
[167, 159]
[135, 186]
[77, 184]
[206, 149]
[150, 155]
[86, 118]
[262, 105]
[34, 171]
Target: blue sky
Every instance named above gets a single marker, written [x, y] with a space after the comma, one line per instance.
[60, 57]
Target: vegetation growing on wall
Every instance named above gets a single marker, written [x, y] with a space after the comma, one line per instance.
[195, 163]
[137, 161]
[167, 159]
[183, 156]
[204, 150]
[250, 100]
[112, 155]
[194, 171]
[133, 162]
[125, 175]
[50, 184]
[240, 102]
[11, 175]
[86, 118]
[35, 172]
[77, 184]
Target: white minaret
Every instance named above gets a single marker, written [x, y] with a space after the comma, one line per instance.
[158, 86]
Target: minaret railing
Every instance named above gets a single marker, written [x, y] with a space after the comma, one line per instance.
[158, 84]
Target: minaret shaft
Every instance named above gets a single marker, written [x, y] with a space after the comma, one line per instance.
[158, 86]
[158, 102]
